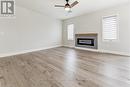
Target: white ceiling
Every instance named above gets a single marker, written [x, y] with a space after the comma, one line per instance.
[84, 6]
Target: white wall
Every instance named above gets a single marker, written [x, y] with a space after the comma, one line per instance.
[28, 31]
[92, 23]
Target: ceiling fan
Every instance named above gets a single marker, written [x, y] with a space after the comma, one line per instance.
[68, 6]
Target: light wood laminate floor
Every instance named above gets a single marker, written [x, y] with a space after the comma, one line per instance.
[65, 67]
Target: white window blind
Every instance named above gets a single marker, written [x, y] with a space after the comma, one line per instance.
[110, 27]
[70, 31]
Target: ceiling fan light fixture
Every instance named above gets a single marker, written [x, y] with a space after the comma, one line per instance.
[67, 7]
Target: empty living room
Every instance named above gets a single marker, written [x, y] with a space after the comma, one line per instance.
[64, 43]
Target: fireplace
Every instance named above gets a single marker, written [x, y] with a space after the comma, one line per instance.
[86, 40]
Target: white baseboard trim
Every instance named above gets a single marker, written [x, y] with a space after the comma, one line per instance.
[27, 51]
[93, 50]
[69, 46]
[105, 51]
[115, 52]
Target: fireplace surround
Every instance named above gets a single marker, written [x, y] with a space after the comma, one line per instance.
[88, 40]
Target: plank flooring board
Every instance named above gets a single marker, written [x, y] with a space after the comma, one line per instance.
[65, 67]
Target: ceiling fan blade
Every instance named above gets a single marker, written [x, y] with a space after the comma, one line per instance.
[59, 6]
[75, 3]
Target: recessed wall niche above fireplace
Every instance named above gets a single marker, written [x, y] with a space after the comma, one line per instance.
[88, 40]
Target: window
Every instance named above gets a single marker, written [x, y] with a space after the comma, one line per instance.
[110, 26]
[70, 31]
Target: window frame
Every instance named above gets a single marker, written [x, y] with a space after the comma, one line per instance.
[117, 30]
[73, 33]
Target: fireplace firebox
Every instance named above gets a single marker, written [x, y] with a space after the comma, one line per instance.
[85, 41]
